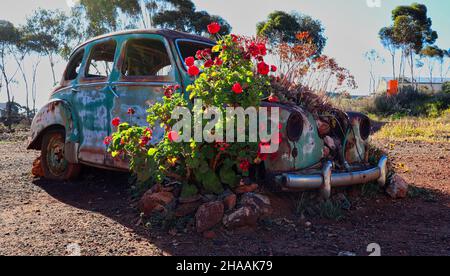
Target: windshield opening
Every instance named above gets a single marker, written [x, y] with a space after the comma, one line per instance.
[189, 49]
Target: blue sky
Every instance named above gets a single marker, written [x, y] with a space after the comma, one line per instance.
[351, 27]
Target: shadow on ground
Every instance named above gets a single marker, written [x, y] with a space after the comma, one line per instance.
[414, 226]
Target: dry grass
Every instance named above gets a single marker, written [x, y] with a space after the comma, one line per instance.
[417, 129]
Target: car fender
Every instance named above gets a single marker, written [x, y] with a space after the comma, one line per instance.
[56, 114]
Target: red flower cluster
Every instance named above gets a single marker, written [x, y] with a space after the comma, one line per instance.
[263, 68]
[193, 71]
[245, 165]
[144, 141]
[170, 90]
[116, 122]
[173, 136]
[131, 111]
[223, 146]
[273, 99]
[189, 61]
[107, 141]
[214, 28]
[237, 88]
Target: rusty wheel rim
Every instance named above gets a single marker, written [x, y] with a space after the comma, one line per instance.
[56, 162]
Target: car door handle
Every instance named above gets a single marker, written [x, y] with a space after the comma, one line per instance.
[74, 90]
[113, 90]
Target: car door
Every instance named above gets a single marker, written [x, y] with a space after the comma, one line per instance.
[145, 67]
[91, 98]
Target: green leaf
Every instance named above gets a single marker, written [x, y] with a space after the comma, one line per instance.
[188, 191]
[211, 183]
[228, 176]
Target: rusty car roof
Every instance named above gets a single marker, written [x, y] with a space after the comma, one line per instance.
[170, 34]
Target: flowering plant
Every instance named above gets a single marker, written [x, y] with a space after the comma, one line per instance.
[233, 74]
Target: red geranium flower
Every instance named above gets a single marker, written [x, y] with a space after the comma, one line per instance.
[190, 61]
[234, 38]
[254, 50]
[173, 136]
[193, 71]
[208, 63]
[107, 140]
[245, 165]
[263, 68]
[273, 99]
[237, 88]
[213, 28]
[262, 49]
[144, 141]
[199, 54]
[131, 111]
[273, 68]
[116, 122]
[218, 62]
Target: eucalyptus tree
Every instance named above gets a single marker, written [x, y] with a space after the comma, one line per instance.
[51, 34]
[8, 39]
[283, 27]
[432, 54]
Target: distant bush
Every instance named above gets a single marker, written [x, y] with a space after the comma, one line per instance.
[446, 87]
[410, 102]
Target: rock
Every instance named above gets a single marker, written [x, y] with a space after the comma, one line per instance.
[243, 217]
[230, 202]
[154, 202]
[246, 189]
[260, 203]
[209, 235]
[398, 188]
[323, 127]
[186, 209]
[190, 199]
[37, 169]
[209, 215]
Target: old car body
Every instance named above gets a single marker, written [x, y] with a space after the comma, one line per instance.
[108, 75]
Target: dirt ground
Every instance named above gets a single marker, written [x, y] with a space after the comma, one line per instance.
[97, 213]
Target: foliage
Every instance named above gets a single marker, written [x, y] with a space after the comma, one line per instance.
[417, 129]
[107, 16]
[410, 32]
[298, 65]
[182, 15]
[446, 87]
[230, 79]
[282, 27]
[8, 39]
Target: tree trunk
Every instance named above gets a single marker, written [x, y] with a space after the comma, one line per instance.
[52, 65]
[393, 66]
[8, 104]
[413, 82]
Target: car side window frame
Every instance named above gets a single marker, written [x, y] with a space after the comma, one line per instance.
[152, 79]
[177, 47]
[64, 81]
[88, 54]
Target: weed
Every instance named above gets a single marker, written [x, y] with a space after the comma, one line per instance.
[425, 194]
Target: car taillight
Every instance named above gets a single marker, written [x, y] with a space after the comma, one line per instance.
[294, 127]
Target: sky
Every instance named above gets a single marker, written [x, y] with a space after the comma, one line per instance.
[351, 27]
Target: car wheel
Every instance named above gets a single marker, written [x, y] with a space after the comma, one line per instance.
[53, 161]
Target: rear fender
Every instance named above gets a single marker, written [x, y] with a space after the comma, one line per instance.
[56, 114]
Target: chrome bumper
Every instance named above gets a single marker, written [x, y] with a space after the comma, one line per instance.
[328, 179]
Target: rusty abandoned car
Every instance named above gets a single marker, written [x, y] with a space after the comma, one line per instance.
[110, 74]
